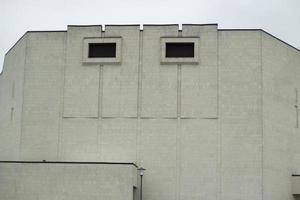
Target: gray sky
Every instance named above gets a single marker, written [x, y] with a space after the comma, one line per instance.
[279, 17]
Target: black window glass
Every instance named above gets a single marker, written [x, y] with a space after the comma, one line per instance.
[174, 50]
[102, 50]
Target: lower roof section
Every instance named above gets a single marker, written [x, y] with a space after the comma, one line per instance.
[24, 180]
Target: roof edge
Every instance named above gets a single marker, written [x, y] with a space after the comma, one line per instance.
[293, 47]
[161, 25]
[50, 31]
[67, 162]
[122, 25]
[209, 24]
[263, 31]
[16, 43]
[87, 25]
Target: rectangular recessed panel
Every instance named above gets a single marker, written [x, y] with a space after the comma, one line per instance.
[42, 96]
[199, 83]
[180, 49]
[102, 50]
[159, 83]
[81, 82]
[79, 140]
[120, 80]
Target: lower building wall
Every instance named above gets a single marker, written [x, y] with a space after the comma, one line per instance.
[49, 181]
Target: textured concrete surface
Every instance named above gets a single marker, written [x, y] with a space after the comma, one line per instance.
[280, 132]
[240, 115]
[225, 128]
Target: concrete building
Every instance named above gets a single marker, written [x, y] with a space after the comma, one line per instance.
[212, 114]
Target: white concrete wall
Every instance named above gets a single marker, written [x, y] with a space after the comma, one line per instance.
[221, 129]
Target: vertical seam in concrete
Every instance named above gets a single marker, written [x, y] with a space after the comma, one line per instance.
[296, 106]
[100, 101]
[138, 142]
[100, 96]
[179, 85]
[11, 114]
[139, 94]
[218, 75]
[139, 99]
[219, 121]
[13, 105]
[23, 94]
[262, 118]
[13, 90]
[100, 92]
[178, 139]
[62, 89]
[178, 158]
[178, 91]
[99, 124]
[219, 174]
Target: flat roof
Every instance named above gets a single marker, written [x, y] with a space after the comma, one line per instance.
[140, 25]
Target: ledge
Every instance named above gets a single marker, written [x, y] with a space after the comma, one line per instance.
[69, 162]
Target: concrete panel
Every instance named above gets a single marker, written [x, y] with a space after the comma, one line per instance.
[240, 114]
[81, 90]
[295, 64]
[199, 82]
[199, 158]
[158, 154]
[118, 138]
[11, 99]
[277, 185]
[42, 96]
[8, 181]
[159, 82]
[120, 82]
[79, 140]
[279, 117]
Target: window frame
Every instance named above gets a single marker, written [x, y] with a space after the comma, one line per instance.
[179, 60]
[173, 48]
[93, 51]
[102, 60]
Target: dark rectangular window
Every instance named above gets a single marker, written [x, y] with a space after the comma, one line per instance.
[102, 50]
[180, 49]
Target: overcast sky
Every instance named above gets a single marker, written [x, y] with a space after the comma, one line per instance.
[279, 17]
